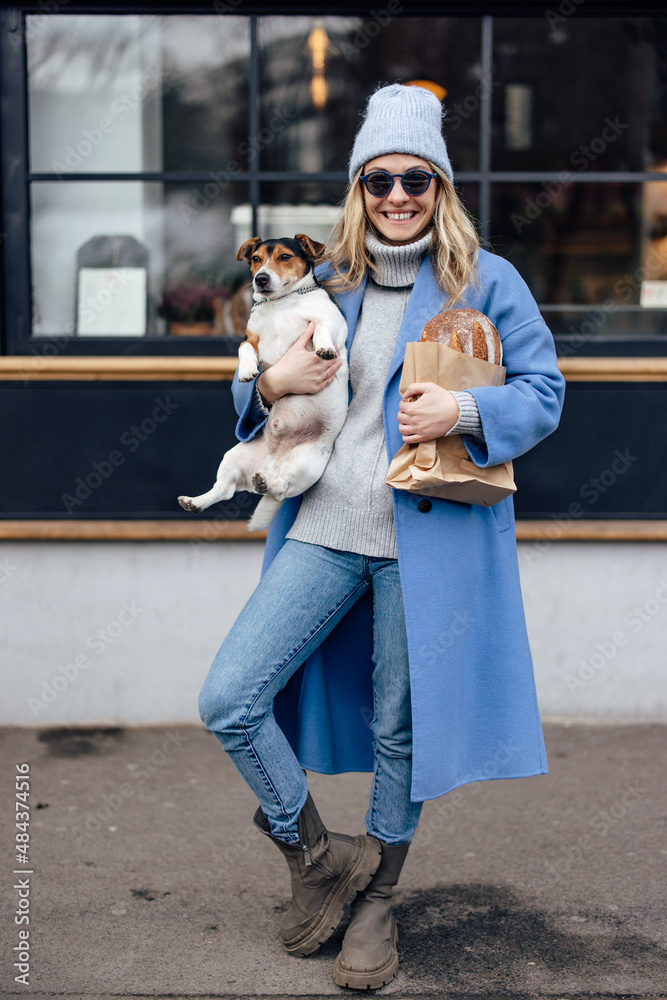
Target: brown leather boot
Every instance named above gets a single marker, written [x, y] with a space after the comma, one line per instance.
[368, 958]
[325, 868]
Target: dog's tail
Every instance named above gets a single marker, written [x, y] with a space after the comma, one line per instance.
[265, 511]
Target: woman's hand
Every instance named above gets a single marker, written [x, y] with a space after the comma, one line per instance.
[298, 371]
[426, 412]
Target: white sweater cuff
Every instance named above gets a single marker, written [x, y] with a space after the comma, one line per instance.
[469, 420]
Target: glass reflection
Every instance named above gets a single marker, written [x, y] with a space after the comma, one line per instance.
[287, 208]
[318, 72]
[580, 246]
[577, 93]
[137, 92]
[126, 258]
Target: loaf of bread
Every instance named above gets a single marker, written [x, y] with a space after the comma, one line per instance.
[468, 331]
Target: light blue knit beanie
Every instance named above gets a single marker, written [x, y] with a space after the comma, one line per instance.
[401, 120]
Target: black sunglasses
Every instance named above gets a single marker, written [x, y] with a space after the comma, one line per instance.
[379, 183]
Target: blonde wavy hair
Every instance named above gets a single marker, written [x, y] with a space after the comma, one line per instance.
[454, 247]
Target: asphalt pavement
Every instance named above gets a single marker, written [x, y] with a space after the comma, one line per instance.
[143, 875]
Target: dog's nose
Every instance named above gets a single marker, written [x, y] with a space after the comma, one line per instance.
[262, 279]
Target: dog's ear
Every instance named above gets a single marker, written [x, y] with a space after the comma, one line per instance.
[248, 248]
[311, 249]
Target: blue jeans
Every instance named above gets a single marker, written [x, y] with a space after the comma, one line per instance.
[302, 596]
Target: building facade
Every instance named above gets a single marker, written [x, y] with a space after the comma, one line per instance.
[141, 145]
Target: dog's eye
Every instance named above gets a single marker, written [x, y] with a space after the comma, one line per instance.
[256, 259]
[285, 256]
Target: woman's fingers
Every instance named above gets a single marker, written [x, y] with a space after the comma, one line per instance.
[300, 370]
[328, 374]
[417, 389]
[431, 414]
[305, 337]
[300, 344]
[331, 368]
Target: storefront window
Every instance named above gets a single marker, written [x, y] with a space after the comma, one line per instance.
[134, 93]
[320, 70]
[586, 245]
[98, 247]
[156, 144]
[288, 208]
[579, 94]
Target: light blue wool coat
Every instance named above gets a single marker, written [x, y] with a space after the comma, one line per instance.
[474, 707]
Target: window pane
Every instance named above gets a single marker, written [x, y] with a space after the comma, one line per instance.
[469, 195]
[579, 93]
[128, 258]
[134, 93]
[287, 209]
[316, 74]
[580, 246]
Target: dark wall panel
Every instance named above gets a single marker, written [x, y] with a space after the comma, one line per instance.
[114, 449]
[128, 449]
[607, 456]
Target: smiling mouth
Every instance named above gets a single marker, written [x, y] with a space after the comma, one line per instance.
[399, 216]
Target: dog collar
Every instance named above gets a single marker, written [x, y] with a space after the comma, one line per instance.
[295, 291]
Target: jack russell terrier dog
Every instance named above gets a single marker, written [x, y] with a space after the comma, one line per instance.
[290, 453]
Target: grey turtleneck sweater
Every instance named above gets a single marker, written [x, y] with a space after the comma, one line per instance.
[350, 507]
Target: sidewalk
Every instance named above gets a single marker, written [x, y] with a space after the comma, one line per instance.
[150, 879]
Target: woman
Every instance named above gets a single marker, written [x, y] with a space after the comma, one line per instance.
[404, 613]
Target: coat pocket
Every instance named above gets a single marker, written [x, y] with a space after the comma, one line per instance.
[501, 512]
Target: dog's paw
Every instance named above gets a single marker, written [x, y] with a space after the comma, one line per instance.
[187, 503]
[259, 483]
[248, 376]
[327, 353]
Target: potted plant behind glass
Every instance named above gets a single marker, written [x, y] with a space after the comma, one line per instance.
[193, 308]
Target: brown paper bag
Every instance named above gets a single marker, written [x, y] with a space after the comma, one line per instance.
[443, 468]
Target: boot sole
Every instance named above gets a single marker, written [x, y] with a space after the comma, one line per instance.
[355, 876]
[369, 979]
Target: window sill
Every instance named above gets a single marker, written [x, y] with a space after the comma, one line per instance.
[119, 368]
[234, 531]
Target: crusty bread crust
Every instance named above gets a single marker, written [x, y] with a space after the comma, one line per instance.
[468, 331]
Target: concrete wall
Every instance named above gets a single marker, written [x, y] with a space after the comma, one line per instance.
[125, 632]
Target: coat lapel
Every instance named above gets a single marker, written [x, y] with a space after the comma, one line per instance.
[349, 304]
[426, 299]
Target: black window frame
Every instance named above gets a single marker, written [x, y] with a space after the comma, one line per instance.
[17, 338]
